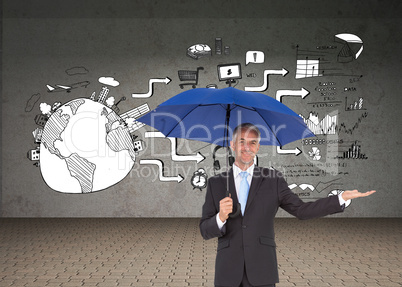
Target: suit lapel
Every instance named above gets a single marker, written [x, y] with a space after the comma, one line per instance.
[232, 188]
[255, 184]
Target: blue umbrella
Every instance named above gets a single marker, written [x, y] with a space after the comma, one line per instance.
[211, 115]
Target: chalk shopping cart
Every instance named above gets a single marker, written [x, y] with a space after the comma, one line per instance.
[185, 75]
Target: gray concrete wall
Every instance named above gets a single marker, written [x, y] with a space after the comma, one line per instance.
[73, 44]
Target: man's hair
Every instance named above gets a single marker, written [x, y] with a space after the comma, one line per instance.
[246, 126]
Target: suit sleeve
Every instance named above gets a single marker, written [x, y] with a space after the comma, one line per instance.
[208, 225]
[306, 210]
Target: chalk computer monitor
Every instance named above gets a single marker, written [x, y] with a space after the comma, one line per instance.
[229, 72]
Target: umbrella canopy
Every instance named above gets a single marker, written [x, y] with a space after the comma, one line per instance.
[211, 115]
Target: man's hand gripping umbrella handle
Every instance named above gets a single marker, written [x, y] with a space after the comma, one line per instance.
[236, 211]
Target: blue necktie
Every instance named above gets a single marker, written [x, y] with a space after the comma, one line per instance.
[243, 192]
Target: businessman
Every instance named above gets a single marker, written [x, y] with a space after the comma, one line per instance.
[246, 254]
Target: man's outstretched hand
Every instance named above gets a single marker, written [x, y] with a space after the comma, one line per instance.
[351, 194]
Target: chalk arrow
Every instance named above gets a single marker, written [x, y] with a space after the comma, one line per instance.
[176, 157]
[304, 186]
[321, 186]
[154, 135]
[159, 163]
[300, 93]
[150, 88]
[295, 151]
[173, 143]
[282, 72]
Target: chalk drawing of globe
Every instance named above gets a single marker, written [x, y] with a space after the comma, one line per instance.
[85, 147]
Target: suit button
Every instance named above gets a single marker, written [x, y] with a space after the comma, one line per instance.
[244, 226]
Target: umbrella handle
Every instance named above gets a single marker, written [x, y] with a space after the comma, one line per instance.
[236, 213]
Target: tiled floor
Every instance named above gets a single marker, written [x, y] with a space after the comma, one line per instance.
[170, 252]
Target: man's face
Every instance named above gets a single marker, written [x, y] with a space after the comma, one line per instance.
[245, 147]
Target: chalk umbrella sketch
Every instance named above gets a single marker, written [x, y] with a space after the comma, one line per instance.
[211, 115]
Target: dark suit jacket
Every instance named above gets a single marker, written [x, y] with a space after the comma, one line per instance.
[249, 239]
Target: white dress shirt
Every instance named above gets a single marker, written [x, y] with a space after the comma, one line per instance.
[238, 178]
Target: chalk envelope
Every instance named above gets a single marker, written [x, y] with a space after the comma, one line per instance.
[256, 57]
